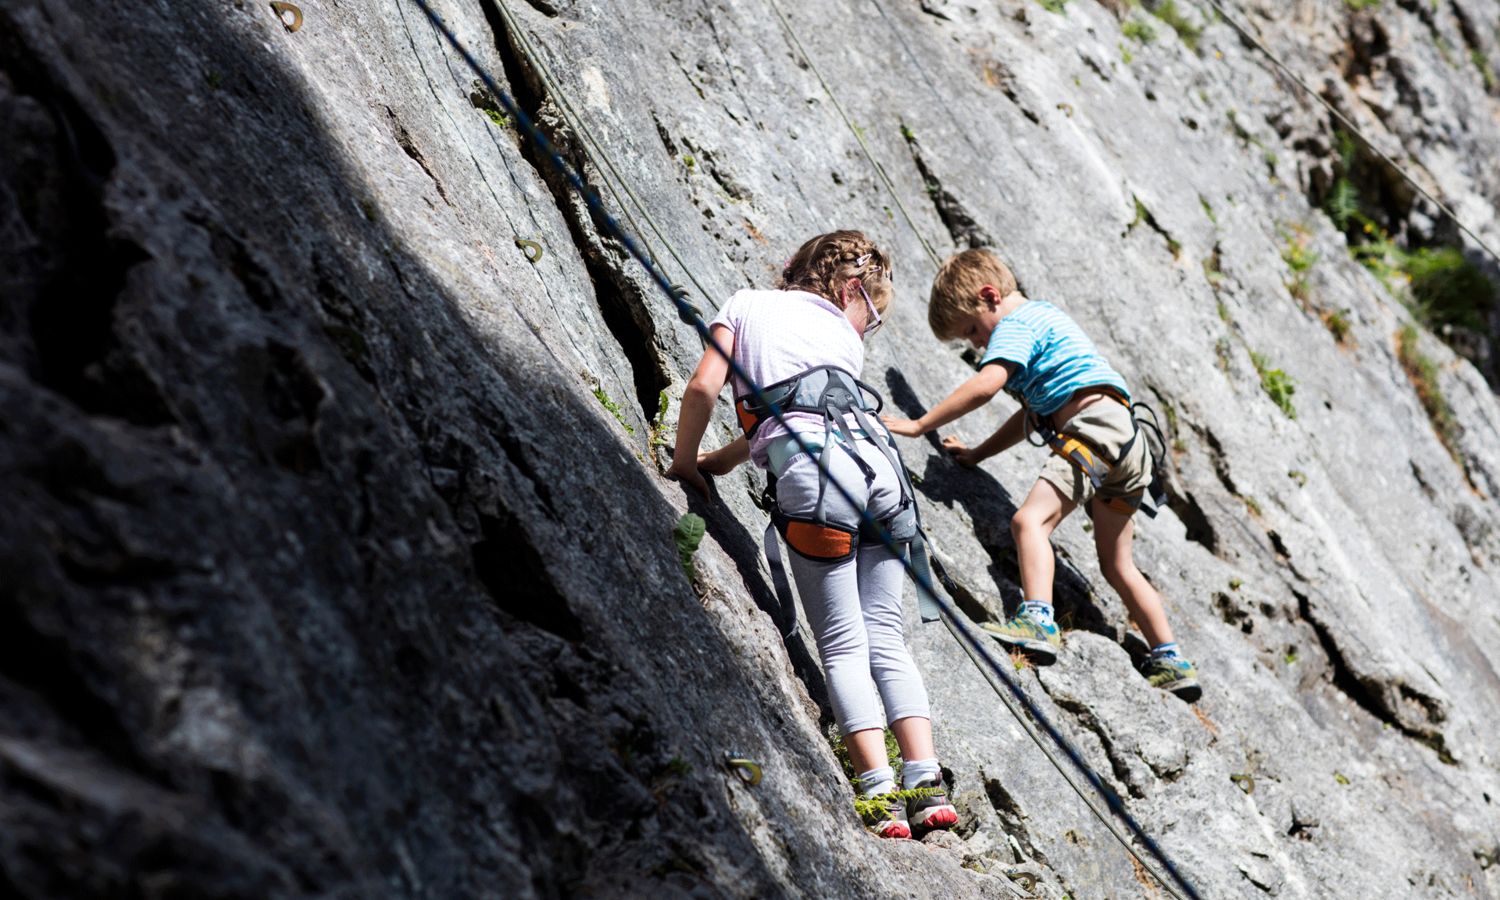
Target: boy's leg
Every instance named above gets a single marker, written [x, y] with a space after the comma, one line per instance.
[1166, 669]
[1114, 533]
[1032, 525]
[1032, 629]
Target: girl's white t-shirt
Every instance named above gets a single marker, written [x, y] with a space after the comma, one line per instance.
[779, 334]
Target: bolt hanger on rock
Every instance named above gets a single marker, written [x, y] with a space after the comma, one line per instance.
[532, 248]
[748, 770]
[289, 14]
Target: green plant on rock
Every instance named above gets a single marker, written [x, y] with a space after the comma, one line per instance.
[1361, 4]
[656, 438]
[613, 408]
[687, 534]
[1175, 19]
[1299, 259]
[1423, 374]
[1137, 30]
[1482, 63]
[1343, 203]
[1439, 283]
[1277, 384]
[1337, 323]
[1053, 6]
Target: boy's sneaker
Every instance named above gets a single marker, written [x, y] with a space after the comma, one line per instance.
[888, 820]
[1039, 640]
[1175, 674]
[934, 810]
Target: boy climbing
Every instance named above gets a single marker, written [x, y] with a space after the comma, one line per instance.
[1075, 399]
[804, 343]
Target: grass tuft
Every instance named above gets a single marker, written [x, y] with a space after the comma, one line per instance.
[1423, 373]
[1277, 384]
[1137, 30]
[1174, 18]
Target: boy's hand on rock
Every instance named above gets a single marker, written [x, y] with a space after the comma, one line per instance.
[962, 455]
[903, 427]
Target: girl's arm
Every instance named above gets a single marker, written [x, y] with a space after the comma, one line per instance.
[968, 397]
[697, 405]
[723, 460]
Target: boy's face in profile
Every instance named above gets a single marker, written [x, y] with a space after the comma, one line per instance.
[975, 327]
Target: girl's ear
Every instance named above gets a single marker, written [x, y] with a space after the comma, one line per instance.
[850, 288]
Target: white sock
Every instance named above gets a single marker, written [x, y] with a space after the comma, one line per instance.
[914, 770]
[877, 781]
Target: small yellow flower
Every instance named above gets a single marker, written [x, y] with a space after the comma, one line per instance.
[1369, 228]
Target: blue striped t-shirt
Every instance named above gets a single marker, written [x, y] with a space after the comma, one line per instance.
[1052, 356]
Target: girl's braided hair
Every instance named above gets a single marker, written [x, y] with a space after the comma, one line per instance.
[823, 265]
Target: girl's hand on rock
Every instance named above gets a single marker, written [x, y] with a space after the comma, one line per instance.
[688, 474]
[903, 427]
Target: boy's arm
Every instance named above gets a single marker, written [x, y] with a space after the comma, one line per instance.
[1011, 433]
[968, 397]
[697, 405]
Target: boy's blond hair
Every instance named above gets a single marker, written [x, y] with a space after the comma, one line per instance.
[955, 290]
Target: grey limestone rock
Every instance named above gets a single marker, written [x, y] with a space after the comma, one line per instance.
[336, 558]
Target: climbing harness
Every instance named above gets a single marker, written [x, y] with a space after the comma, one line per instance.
[979, 650]
[1095, 463]
[835, 395]
[288, 9]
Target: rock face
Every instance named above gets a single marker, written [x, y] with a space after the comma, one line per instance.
[336, 558]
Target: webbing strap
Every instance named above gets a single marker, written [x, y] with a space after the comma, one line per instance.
[921, 563]
[779, 581]
[1073, 450]
[881, 439]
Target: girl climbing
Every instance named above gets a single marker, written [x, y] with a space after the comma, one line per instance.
[804, 342]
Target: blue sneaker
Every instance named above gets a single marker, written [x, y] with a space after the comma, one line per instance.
[1038, 640]
[1173, 674]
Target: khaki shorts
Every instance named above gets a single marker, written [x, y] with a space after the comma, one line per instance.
[1105, 426]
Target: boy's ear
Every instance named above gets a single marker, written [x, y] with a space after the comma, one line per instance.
[989, 295]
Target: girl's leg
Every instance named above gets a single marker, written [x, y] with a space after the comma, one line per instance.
[882, 576]
[1113, 534]
[1032, 526]
[830, 597]
[881, 580]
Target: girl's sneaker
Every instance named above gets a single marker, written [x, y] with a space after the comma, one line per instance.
[933, 810]
[1037, 639]
[888, 818]
[1174, 674]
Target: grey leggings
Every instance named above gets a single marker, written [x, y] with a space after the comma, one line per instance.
[854, 606]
